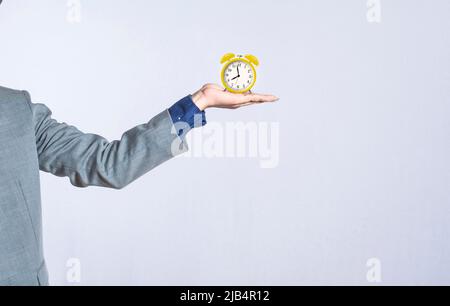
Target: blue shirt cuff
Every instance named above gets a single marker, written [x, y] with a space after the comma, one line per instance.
[186, 115]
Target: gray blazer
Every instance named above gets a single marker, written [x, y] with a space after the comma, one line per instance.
[31, 140]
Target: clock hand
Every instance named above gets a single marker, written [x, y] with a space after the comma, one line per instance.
[235, 77]
[238, 71]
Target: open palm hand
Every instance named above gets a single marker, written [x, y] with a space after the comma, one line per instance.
[212, 95]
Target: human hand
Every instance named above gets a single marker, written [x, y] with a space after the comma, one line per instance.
[212, 95]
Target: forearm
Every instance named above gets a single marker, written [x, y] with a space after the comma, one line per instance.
[91, 160]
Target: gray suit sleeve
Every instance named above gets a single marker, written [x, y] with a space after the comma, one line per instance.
[91, 160]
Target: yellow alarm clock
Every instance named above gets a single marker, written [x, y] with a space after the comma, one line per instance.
[239, 73]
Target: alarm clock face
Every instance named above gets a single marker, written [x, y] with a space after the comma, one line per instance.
[239, 76]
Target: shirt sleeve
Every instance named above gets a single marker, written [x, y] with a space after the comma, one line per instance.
[186, 115]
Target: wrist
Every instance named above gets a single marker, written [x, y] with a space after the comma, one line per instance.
[200, 100]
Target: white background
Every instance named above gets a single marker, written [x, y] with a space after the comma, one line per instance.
[364, 139]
